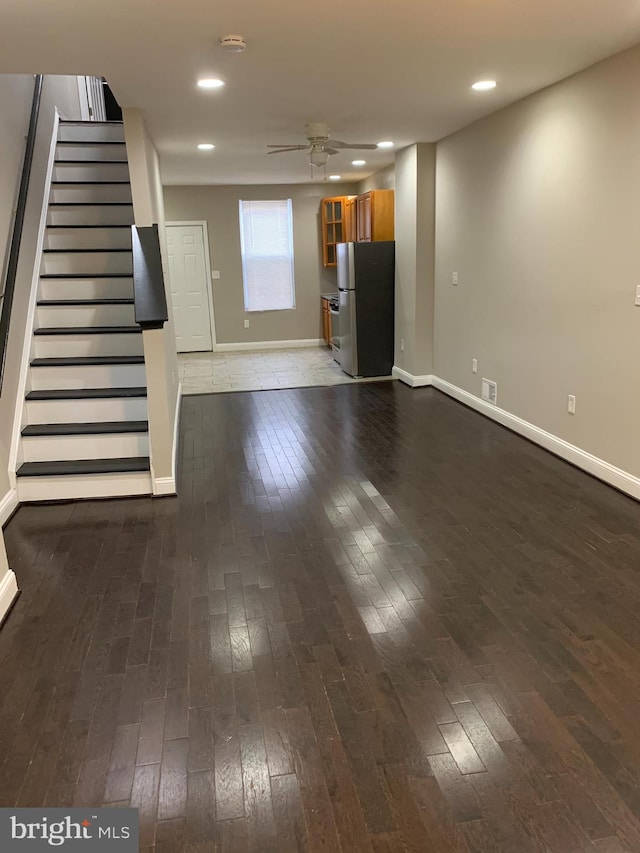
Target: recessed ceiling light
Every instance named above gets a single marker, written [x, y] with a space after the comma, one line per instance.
[385, 144]
[358, 162]
[484, 85]
[210, 83]
[334, 177]
[206, 146]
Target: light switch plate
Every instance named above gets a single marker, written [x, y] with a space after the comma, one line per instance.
[215, 273]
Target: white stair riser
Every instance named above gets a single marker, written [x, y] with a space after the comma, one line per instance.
[87, 262]
[87, 486]
[86, 411]
[50, 346]
[91, 172]
[91, 152]
[86, 315]
[86, 288]
[103, 446]
[90, 192]
[91, 215]
[90, 131]
[88, 376]
[87, 238]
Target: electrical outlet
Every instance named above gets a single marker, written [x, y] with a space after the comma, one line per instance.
[215, 274]
[454, 278]
[401, 344]
[246, 324]
[571, 404]
[637, 302]
[474, 365]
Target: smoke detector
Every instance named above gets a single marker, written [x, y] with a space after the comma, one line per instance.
[232, 44]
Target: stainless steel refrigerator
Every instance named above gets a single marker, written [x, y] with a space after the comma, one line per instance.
[366, 277]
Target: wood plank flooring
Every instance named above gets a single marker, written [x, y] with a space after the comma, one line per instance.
[371, 621]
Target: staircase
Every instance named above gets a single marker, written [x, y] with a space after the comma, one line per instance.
[85, 430]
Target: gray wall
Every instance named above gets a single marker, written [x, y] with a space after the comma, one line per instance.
[538, 210]
[385, 179]
[15, 103]
[218, 206]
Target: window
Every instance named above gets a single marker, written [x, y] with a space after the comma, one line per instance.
[266, 241]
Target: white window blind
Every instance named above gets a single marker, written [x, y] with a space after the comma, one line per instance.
[266, 240]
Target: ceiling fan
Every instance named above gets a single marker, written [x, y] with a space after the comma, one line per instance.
[319, 145]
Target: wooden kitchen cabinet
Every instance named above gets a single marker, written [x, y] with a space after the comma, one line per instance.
[333, 227]
[326, 320]
[351, 210]
[375, 216]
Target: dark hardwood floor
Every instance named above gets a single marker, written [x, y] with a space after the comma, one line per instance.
[372, 621]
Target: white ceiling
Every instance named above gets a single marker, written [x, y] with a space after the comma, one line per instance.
[372, 70]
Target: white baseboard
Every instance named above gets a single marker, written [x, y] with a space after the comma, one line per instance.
[616, 477]
[163, 486]
[248, 346]
[8, 505]
[411, 380]
[8, 593]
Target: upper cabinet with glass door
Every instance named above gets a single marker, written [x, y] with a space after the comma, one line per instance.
[334, 227]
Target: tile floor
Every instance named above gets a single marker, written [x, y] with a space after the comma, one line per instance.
[212, 373]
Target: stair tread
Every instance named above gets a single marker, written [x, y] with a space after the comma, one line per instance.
[91, 142]
[83, 162]
[87, 393]
[69, 302]
[118, 225]
[90, 204]
[89, 123]
[87, 330]
[86, 360]
[90, 182]
[119, 465]
[77, 275]
[82, 251]
[98, 428]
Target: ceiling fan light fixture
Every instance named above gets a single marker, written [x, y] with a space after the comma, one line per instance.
[317, 157]
[335, 177]
[358, 162]
[386, 143]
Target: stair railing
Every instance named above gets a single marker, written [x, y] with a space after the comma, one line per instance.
[18, 223]
[150, 299]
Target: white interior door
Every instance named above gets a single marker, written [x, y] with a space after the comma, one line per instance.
[190, 289]
[91, 95]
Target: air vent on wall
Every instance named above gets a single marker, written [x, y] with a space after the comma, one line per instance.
[489, 391]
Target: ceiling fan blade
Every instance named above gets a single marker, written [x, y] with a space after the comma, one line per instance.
[289, 147]
[338, 144]
[331, 150]
[286, 150]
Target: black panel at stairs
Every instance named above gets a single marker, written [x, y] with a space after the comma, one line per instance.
[98, 428]
[87, 162]
[88, 330]
[83, 251]
[90, 204]
[83, 466]
[86, 393]
[79, 275]
[71, 302]
[86, 360]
